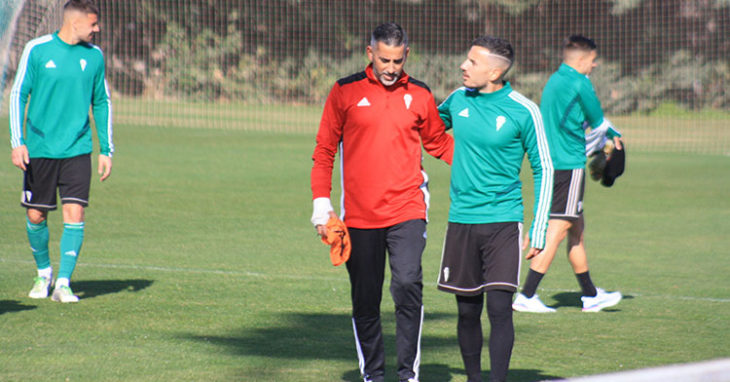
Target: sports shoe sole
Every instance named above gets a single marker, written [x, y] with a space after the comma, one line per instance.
[603, 305]
[523, 308]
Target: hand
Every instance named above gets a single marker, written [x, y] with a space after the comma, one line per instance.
[617, 143]
[526, 242]
[105, 166]
[322, 229]
[20, 157]
[533, 252]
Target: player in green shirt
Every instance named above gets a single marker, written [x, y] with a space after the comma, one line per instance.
[494, 126]
[568, 102]
[60, 76]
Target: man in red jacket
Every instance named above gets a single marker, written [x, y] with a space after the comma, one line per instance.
[378, 119]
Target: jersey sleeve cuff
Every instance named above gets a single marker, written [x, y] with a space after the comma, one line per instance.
[322, 209]
[611, 130]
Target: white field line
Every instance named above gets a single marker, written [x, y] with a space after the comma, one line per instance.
[343, 278]
[155, 268]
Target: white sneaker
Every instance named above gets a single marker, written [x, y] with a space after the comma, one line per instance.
[40, 287]
[532, 305]
[601, 300]
[64, 294]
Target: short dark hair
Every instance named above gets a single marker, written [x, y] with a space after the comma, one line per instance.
[390, 34]
[85, 6]
[496, 45]
[579, 42]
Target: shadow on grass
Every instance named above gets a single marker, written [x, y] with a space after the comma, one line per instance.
[325, 336]
[92, 288]
[527, 375]
[428, 373]
[10, 306]
[441, 372]
[309, 336]
[568, 299]
[573, 299]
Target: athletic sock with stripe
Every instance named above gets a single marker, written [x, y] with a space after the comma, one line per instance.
[73, 237]
[38, 239]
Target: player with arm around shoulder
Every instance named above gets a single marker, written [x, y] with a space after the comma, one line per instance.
[494, 127]
[60, 76]
[377, 120]
[568, 101]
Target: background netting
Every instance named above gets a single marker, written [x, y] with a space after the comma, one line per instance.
[664, 77]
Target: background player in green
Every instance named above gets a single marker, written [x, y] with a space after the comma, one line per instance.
[494, 126]
[59, 77]
[569, 101]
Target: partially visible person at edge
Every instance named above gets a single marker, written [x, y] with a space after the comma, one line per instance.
[494, 126]
[377, 119]
[63, 74]
[569, 101]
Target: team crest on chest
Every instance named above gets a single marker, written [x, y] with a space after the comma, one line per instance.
[82, 62]
[501, 120]
[408, 98]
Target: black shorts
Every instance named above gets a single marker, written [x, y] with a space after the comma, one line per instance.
[71, 176]
[481, 257]
[568, 187]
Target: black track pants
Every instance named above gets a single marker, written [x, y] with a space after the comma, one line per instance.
[404, 243]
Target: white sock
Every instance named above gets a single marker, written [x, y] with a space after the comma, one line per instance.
[62, 281]
[46, 272]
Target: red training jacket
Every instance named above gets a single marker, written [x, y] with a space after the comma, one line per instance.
[379, 131]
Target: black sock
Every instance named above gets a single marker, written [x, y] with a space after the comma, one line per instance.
[586, 285]
[501, 334]
[469, 331]
[533, 280]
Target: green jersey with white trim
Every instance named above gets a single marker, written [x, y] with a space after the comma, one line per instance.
[62, 82]
[569, 100]
[492, 133]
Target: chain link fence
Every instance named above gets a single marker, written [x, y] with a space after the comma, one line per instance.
[256, 64]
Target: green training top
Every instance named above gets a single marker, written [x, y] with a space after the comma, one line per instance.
[62, 81]
[492, 133]
[568, 100]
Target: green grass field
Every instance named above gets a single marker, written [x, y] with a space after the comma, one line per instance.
[667, 129]
[200, 264]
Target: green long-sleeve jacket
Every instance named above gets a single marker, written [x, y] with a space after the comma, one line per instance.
[492, 134]
[58, 83]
